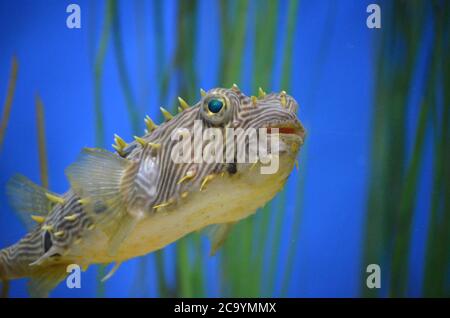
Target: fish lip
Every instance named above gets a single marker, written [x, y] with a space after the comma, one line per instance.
[291, 129]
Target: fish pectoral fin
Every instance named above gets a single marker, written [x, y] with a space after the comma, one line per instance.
[111, 272]
[98, 178]
[217, 234]
[27, 198]
[45, 279]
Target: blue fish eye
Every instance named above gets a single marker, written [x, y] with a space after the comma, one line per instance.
[215, 105]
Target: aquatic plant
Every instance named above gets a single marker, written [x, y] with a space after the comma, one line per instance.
[3, 124]
[395, 173]
[9, 99]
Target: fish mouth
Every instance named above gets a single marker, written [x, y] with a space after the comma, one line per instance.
[290, 129]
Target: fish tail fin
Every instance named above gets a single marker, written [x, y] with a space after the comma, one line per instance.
[15, 259]
[4, 265]
[4, 280]
[11, 266]
[43, 281]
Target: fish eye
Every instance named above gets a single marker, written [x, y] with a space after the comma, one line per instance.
[215, 105]
[216, 109]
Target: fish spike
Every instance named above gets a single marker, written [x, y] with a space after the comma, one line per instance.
[38, 219]
[162, 205]
[180, 110]
[207, 179]
[254, 100]
[202, 92]
[119, 141]
[54, 198]
[253, 165]
[118, 149]
[235, 87]
[154, 145]
[59, 233]
[71, 218]
[283, 98]
[83, 201]
[167, 116]
[261, 93]
[119, 144]
[150, 124]
[189, 175]
[184, 105]
[47, 227]
[141, 141]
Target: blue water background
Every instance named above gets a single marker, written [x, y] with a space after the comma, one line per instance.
[332, 78]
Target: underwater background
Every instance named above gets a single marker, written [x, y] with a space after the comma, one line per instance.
[373, 185]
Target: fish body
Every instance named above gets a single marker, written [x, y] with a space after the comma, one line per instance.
[138, 200]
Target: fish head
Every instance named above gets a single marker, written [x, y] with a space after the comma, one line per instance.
[268, 124]
[226, 137]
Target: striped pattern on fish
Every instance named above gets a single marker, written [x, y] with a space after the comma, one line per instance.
[137, 200]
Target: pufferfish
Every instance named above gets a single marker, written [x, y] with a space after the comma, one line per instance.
[137, 200]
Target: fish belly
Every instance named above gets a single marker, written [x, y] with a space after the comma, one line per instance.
[226, 199]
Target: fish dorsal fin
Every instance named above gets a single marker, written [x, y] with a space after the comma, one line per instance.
[27, 198]
[217, 234]
[99, 177]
